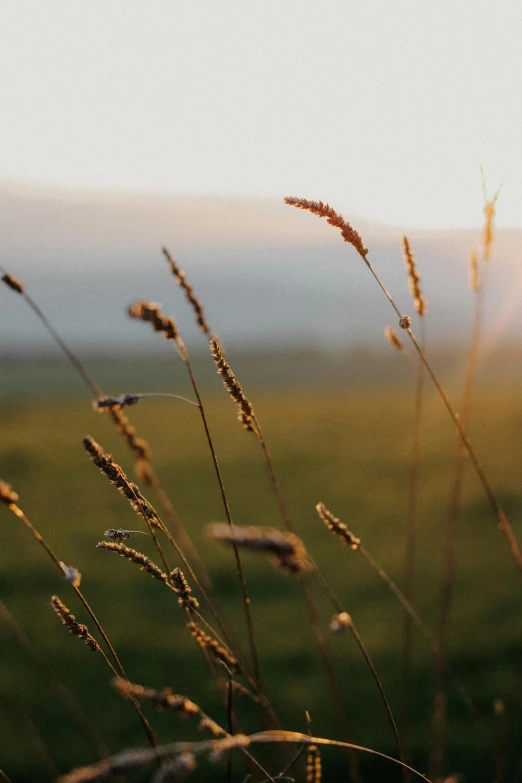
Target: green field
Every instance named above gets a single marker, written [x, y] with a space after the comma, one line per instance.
[347, 447]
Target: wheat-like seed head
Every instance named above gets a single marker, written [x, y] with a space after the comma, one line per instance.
[117, 477]
[214, 648]
[313, 765]
[234, 388]
[473, 272]
[13, 283]
[150, 312]
[192, 299]
[320, 209]
[135, 557]
[413, 277]
[337, 527]
[182, 588]
[77, 629]
[7, 494]
[287, 551]
[394, 338]
[162, 699]
[138, 445]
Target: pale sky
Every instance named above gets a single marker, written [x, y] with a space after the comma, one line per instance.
[384, 109]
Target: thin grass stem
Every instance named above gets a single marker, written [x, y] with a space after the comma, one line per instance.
[348, 234]
[411, 544]
[17, 511]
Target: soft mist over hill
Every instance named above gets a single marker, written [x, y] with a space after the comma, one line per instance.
[268, 274]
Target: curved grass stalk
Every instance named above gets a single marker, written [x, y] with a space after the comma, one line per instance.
[353, 238]
[339, 529]
[135, 444]
[239, 567]
[477, 284]
[321, 642]
[411, 543]
[119, 671]
[241, 741]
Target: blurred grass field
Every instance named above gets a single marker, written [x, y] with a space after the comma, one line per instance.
[348, 447]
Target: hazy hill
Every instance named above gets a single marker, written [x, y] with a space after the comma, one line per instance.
[267, 273]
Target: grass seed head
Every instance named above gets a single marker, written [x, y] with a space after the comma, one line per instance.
[150, 312]
[473, 272]
[287, 551]
[77, 629]
[13, 283]
[135, 557]
[192, 299]
[117, 477]
[234, 388]
[320, 209]
[214, 648]
[313, 765]
[162, 699]
[394, 338]
[337, 527]
[7, 494]
[413, 277]
[182, 588]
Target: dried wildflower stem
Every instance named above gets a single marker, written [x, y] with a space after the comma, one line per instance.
[4, 778]
[77, 364]
[339, 529]
[321, 642]
[63, 694]
[380, 688]
[240, 742]
[164, 699]
[188, 290]
[352, 237]
[17, 511]
[239, 568]
[137, 445]
[320, 639]
[411, 529]
[140, 504]
[251, 423]
[150, 312]
[455, 501]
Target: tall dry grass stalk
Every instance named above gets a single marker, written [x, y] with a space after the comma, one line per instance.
[163, 699]
[352, 237]
[340, 530]
[137, 445]
[477, 281]
[413, 495]
[188, 290]
[10, 498]
[216, 748]
[250, 423]
[150, 312]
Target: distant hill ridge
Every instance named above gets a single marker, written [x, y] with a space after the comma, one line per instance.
[267, 274]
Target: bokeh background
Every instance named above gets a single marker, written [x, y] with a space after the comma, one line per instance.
[129, 126]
